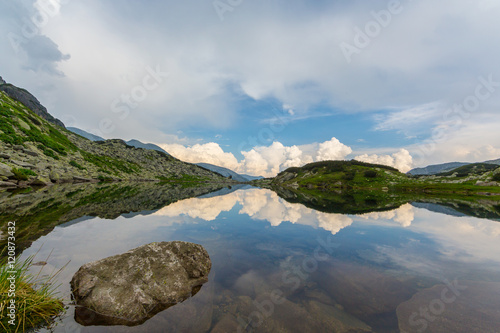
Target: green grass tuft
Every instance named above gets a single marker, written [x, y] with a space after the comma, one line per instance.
[22, 174]
[76, 165]
[35, 306]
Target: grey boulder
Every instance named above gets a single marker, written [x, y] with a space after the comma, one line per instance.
[129, 288]
[5, 170]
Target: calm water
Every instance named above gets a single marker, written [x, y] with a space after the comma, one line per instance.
[283, 267]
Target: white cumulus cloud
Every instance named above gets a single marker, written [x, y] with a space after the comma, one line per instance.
[402, 160]
[202, 153]
[260, 160]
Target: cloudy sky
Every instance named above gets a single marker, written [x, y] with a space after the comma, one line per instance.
[261, 85]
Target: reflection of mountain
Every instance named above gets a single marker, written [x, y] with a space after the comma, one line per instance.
[361, 202]
[481, 208]
[343, 202]
[36, 213]
[438, 208]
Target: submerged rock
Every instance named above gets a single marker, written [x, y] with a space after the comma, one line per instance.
[129, 288]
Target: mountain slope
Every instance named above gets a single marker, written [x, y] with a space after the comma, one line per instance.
[331, 175]
[445, 167]
[30, 101]
[436, 168]
[37, 152]
[470, 169]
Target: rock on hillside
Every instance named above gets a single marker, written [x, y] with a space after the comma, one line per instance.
[131, 287]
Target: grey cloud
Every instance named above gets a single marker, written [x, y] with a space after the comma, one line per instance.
[38, 52]
[44, 55]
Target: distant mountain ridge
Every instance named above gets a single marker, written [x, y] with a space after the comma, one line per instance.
[133, 142]
[85, 134]
[445, 167]
[228, 173]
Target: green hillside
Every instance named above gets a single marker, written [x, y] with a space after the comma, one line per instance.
[340, 174]
[470, 169]
[328, 176]
[34, 151]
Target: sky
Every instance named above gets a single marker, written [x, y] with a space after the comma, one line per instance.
[259, 86]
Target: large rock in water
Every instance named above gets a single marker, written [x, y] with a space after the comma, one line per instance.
[129, 288]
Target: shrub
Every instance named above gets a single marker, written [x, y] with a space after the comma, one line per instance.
[349, 175]
[22, 174]
[76, 165]
[370, 174]
[496, 177]
[104, 179]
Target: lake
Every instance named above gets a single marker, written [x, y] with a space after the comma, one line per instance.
[280, 265]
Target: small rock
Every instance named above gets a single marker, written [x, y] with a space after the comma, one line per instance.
[5, 170]
[39, 263]
[4, 156]
[24, 164]
[40, 181]
[7, 184]
[31, 153]
[78, 179]
[480, 183]
[129, 288]
[18, 147]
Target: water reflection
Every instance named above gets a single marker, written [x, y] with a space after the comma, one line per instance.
[258, 204]
[279, 265]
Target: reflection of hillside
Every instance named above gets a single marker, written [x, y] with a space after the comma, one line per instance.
[36, 213]
[362, 202]
[343, 202]
[480, 208]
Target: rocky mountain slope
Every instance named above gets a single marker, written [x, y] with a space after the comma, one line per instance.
[341, 175]
[30, 101]
[34, 151]
[445, 167]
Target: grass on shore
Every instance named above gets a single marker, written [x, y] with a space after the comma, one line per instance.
[36, 302]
